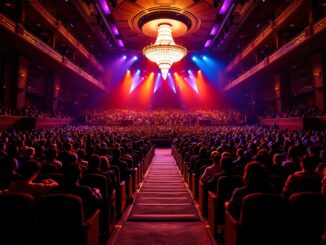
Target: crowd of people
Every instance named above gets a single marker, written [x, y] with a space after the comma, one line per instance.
[165, 117]
[270, 160]
[30, 111]
[28, 158]
[298, 111]
[295, 159]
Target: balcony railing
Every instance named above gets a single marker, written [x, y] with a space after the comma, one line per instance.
[280, 53]
[46, 49]
[57, 25]
[266, 33]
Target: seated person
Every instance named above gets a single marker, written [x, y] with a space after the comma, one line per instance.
[29, 171]
[305, 180]
[322, 165]
[94, 164]
[51, 156]
[123, 166]
[8, 172]
[255, 179]
[91, 197]
[212, 170]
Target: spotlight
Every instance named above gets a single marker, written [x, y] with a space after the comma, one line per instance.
[199, 71]
[159, 74]
[128, 71]
[169, 74]
[175, 73]
[124, 57]
[194, 58]
[138, 70]
[204, 57]
[135, 58]
[189, 71]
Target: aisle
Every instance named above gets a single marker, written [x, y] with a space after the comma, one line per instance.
[163, 212]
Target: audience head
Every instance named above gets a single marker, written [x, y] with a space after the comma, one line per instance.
[72, 174]
[277, 159]
[226, 164]
[30, 169]
[116, 153]
[255, 175]
[308, 164]
[94, 162]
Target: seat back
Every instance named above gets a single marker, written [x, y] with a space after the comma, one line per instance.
[60, 211]
[226, 186]
[96, 181]
[309, 209]
[17, 218]
[61, 219]
[265, 219]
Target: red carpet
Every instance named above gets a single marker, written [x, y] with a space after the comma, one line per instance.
[163, 212]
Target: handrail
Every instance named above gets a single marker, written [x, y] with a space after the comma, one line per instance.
[277, 55]
[265, 34]
[46, 49]
[57, 25]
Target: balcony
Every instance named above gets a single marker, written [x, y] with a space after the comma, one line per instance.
[46, 50]
[281, 53]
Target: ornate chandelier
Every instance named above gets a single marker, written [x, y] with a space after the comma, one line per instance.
[164, 52]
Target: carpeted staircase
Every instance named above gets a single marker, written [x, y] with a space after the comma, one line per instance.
[163, 212]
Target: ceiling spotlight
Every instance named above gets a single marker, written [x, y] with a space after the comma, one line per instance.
[124, 57]
[204, 57]
[135, 58]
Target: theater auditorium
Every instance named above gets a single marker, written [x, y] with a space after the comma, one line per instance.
[162, 122]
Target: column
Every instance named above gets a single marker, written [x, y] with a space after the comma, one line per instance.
[52, 92]
[318, 81]
[21, 82]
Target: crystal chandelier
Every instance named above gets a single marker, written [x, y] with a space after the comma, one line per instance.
[164, 52]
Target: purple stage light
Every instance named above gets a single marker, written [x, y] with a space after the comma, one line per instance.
[115, 29]
[124, 57]
[105, 7]
[135, 58]
[214, 30]
[120, 43]
[208, 43]
[225, 6]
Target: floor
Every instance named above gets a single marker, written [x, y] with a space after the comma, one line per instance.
[163, 211]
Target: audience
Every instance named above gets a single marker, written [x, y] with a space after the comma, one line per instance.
[91, 197]
[305, 180]
[29, 171]
[255, 179]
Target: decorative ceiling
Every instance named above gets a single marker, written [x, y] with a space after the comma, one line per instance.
[204, 13]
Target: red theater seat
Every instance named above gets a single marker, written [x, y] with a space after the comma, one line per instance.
[61, 221]
[264, 219]
[309, 210]
[17, 219]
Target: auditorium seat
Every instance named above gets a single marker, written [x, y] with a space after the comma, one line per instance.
[17, 219]
[61, 221]
[203, 194]
[309, 210]
[264, 219]
[196, 176]
[224, 190]
[107, 210]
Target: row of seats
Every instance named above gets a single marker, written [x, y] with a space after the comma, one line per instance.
[59, 218]
[264, 219]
